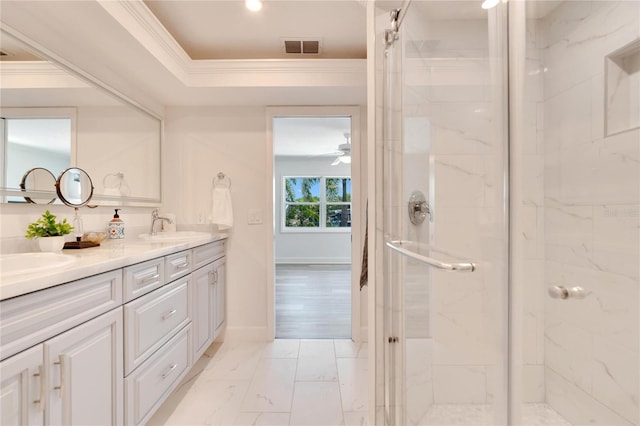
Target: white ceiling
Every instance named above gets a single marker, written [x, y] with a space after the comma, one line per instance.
[226, 29]
[309, 136]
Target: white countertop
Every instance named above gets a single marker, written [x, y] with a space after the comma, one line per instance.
[110, 255]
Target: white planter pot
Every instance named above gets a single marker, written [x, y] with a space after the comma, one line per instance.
[51, 244]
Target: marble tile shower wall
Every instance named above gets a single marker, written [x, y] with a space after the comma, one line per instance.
[591, 218]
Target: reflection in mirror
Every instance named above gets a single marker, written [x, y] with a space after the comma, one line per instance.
[36, 138]
[74, 187]
[107, 135]
[40, 184]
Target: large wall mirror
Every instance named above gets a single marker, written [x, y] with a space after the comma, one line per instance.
[53, 119]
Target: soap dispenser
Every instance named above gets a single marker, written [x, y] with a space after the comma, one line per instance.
[116, 227]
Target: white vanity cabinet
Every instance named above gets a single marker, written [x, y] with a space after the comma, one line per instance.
[110, 348]
[220, 288]
[75, 378]
[22, 388]
[208, 295]
[151, 320]
[84, 373]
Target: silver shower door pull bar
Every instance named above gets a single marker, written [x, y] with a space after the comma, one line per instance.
[456, 267]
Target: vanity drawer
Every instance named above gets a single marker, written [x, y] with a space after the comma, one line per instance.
[143, 277]
[33, 318]
[208, 253]
[152, 319]
[177, 265]
[149, 386]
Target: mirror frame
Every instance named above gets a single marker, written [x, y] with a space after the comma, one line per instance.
[64, 199]
[23, 186]
[98, 199]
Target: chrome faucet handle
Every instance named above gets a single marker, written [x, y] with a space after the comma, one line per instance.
[155, 214]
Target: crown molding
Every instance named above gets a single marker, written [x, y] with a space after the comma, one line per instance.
[142, 24]
[278, 72]
[32, 74]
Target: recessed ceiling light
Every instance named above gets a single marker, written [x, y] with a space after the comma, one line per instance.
[488, 4]
[253, 5]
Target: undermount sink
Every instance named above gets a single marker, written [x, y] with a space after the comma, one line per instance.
[27, 263]
[173, 236]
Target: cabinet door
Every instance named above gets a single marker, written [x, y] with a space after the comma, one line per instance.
[203, 307]
[21, 389]
[85, 376]
[221, 293]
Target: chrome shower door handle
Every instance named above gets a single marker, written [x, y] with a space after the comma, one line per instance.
[561, 292]
[454, 267]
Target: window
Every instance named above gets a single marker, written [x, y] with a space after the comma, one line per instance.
[317, 203]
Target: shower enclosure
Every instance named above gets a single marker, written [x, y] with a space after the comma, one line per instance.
[509, 229]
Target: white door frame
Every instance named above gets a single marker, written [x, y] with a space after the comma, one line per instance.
[357, 204]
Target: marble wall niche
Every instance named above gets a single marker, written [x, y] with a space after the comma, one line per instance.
[622, 75]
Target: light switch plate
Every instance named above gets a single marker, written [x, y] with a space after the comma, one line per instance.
[255, 216]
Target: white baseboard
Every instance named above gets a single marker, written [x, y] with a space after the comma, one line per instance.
[314, 260]
[244, 334]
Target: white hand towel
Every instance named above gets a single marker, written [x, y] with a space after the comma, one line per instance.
[221, 208]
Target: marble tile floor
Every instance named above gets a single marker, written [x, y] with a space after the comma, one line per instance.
[480, 415]
[284, 382]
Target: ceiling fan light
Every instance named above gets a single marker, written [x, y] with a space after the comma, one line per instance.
[345, 159]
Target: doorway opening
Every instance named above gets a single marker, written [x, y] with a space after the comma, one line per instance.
[314, 205]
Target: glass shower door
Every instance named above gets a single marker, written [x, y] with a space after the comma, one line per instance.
[445, 159]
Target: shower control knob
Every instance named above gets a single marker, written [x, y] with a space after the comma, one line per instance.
[560, 292]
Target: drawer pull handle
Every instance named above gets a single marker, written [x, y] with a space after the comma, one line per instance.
[212, 278]
[169, 314]
[166, 373]
[43, 390]
[59, 362]
[182, 265]
[146, 279]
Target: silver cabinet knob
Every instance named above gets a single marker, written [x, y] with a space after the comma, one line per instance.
[560, 292]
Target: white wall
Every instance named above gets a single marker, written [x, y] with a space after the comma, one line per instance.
[199, 143]
[308, 247]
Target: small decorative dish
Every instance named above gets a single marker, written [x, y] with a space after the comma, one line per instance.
[94, 236]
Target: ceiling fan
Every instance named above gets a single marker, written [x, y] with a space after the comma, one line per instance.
[344, 152]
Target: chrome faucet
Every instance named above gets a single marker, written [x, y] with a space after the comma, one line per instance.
[155, 217]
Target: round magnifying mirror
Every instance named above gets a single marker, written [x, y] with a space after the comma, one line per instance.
[39, 183]
[74, 187]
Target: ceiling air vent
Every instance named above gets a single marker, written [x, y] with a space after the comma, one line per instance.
[301, 46]
[292, 46]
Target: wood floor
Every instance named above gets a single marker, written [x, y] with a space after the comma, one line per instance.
[313, 301]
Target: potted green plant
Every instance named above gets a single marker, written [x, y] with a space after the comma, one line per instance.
[50, 234]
